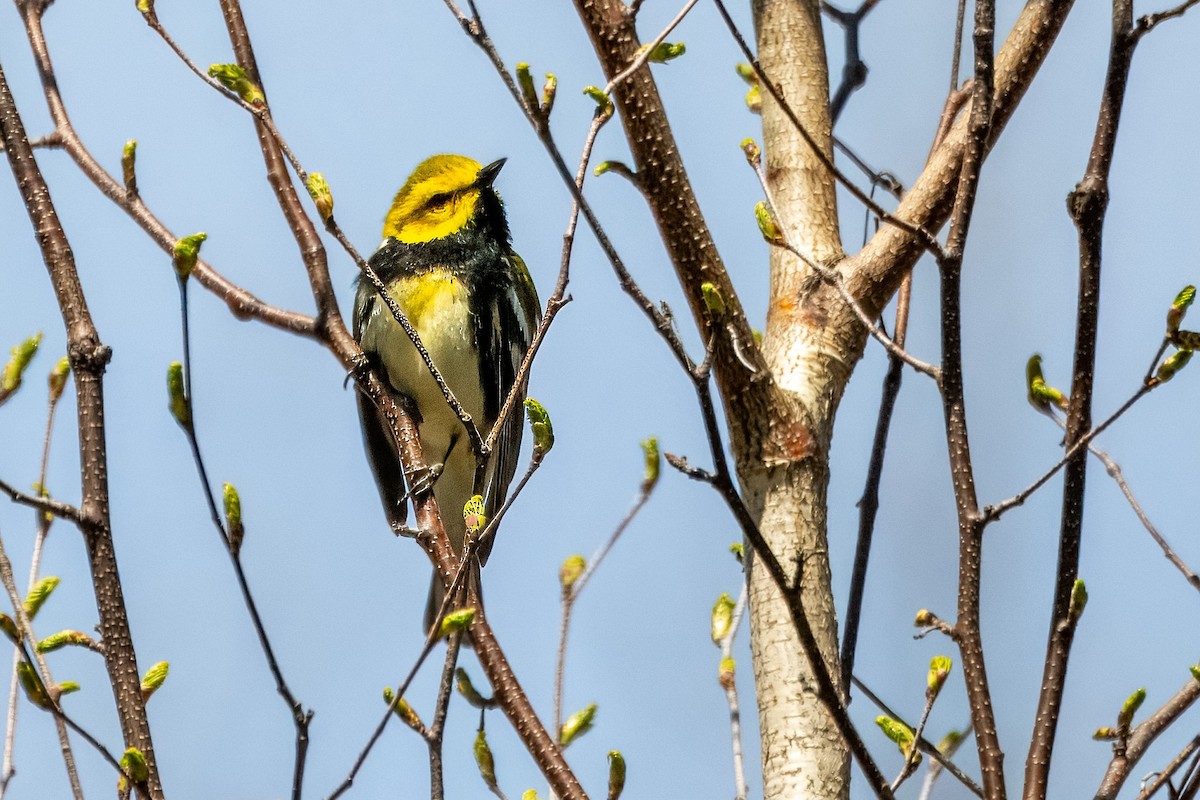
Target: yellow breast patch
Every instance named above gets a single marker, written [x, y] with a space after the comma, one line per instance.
[428, 295]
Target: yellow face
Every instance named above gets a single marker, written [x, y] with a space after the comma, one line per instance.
[437, 200]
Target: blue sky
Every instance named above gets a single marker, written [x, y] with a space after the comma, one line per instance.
[363, 92]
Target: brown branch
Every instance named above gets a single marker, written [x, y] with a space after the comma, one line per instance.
[1164, 776]
[45, 504]
[967, 628]
[1128, 753]
[88, 359]
[1087, 205]
[242, 304]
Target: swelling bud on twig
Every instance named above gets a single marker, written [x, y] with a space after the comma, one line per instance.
[1105, 734]
[129, 166]
[1079, 598]
[577, 725]
[8, 627]
[949, 743]
[154, 678]
[133, 765]
[726, 672]
[653, 463]
[483, 757]
[1041, 396]
[1179, 308]
[1195, 670]
[604, 103]
[1129, 708]
[35, 690]
[67, 638]
[233, 517]
[462, 681]
[540, 426]
[712, 299]
[14, 370]
[939, 670]
[739, 551]
[318, 190]
[403, 710]
[177, 400]
[549, 90]
[665, 51]
[1175, 362]
[456, 621]
[754, 96]
[473, 516]
[722, 617]
[767, 224]
[616, 774]
[185, 254]
[525, 84]
[57, 382]
[39, 594]
[898, 732]
[753, 154]
[530, 794]
[572, 569]
[235, 79]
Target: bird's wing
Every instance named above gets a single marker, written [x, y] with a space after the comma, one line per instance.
[515, 311]
[380, 443]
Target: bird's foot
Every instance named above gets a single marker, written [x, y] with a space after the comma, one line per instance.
[400, 529]
[422, 481]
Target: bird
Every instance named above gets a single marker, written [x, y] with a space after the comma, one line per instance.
[448, 262]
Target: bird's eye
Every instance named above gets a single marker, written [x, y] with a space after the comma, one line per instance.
[439, 201]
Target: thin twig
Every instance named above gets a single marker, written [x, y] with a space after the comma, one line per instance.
[46, 505]
[729, 685]
[648, 49]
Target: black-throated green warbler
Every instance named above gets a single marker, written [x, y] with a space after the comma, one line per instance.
[447, 260]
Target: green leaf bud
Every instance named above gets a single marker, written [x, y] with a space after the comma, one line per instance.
[604, 103]
[467, 689]
[739, 551]
[14, 370]
[1079, 598]
[185, 254]
[65, 687]
[146, 7]
[666, 51]
[1105, 734]
[57, 382]
[1129, 708]
[39, 594]
[726, 672]
[525, 84]
[129, 166]
[31, 682]
[898, 732]
[1179, 308]
[403, 710]
[616, 774]
[154, 678]
[746, 73]
[473, 514]
[233, 517]
[181, 409]
[530, 794]
[712, 299]
[456, 621]
[1175, 362]
[8, 627]
[753, 154]
[601, 168]
[1041, 396]
[722, 617]
[65, 638]
[483, 757]
[1195, 670]
[767, 224]
[540, 426]
[235, 79]
[653, 463]
[939, 670]
[924, 618]
[949, 743]
[318, 190]
[134, 765]
[549, 90]
[572, 569]
[754, 100]
[1186, 340]
[577, 725]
